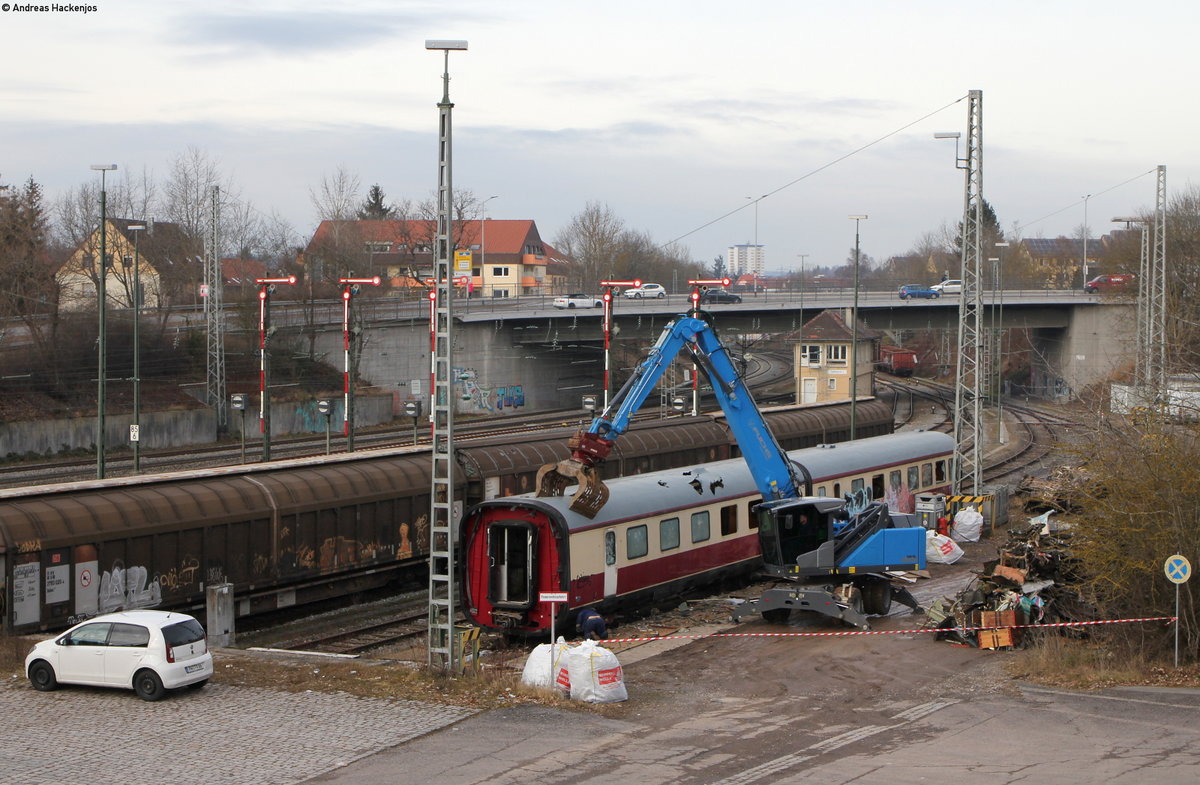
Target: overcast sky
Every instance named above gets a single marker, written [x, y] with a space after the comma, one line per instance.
[671, 113]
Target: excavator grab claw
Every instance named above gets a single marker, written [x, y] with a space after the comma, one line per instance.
[590, 497]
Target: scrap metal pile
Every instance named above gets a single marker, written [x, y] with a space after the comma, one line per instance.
[1033, 582]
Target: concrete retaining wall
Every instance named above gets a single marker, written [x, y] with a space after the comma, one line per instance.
[180, 428]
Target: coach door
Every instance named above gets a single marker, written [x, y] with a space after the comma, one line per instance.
[610, 563]
[511, 548]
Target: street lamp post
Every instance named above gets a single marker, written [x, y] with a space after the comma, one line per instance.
[854, 333]
[135, 432]
[1084, 266]
[482, 244]
[1002, 244]
[102, 307]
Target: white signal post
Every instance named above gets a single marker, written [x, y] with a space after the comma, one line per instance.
[609, 286]
[697, 284]
[349, 289]
[265, 287]
[552, 597]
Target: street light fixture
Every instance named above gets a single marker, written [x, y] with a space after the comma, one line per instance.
[102, 307]
[135, 430]
[854, 333]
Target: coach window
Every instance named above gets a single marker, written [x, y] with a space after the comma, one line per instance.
[700, 529]
[857, 484]
[821, 491]
[914, 477]
[729, 518]
[668, 534]
[894, 479]
[750, 505]
[837, 490]
[878, 491]
[610, 548]
[939, 471]
[637, 543]
[927, 474]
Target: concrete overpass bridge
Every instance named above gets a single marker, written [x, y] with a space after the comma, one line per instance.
[521, 353]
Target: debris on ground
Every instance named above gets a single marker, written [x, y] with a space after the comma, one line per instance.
[1032, 582]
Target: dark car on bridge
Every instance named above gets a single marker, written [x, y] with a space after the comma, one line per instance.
[719, 296]
[918, 290]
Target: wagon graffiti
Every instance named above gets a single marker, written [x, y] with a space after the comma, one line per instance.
[130, 587]
[29, 546]
[261, 564]
[405, 543]
[184, 575]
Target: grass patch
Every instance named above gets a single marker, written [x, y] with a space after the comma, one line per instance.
[1055, 661]
[484, 689]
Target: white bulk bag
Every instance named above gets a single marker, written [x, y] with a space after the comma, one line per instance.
[940, 549]
[541, 668]
[968, 525]
[595, 674]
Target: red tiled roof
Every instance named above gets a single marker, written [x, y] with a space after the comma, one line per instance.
[503, 236]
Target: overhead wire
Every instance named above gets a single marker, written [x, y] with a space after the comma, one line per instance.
[819, 169]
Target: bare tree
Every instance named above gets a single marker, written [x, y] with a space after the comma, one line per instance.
[591, 238]
[337, 197]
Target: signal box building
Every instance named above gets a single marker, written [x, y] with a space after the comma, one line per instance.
[822, 359]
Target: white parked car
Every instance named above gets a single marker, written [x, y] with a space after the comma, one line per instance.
[646, 290]
[952, 286]
[149, 652]
[578, 301]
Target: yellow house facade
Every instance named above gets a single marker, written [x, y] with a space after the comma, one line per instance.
[124, 247]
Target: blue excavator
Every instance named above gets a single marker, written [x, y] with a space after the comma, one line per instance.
[830, 555]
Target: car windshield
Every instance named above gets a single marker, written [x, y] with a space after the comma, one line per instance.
[183, 633]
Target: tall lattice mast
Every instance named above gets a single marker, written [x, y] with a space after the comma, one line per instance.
[1156, 295]
[442, 590]
[214, 316]
[966, 476]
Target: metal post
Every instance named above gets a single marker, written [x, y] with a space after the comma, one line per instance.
[137, 352]
[854, 334]
[443, 603]
[102, 308]
[1084, 266]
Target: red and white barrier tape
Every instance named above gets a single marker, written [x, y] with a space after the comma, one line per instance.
[1169, 619]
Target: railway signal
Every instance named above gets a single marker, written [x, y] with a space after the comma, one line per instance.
[265, 288]
[350, 287]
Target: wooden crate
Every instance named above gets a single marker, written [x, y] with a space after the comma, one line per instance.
[994, 639]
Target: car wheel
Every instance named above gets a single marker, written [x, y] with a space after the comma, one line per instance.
[148, 686]
[570, 305]
[41, 676]
[637, 296]
[662, 295]
[904, 297]
[198, 685]
[598, 304]
[934, 296]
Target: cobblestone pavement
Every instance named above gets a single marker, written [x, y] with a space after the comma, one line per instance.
[220, 734]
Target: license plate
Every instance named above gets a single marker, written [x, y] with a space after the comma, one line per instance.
[199, 666]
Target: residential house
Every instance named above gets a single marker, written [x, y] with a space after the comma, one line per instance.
[507, 258]
[159, 252]
[822, 352]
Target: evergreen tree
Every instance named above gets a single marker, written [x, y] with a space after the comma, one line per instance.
[375, 208]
